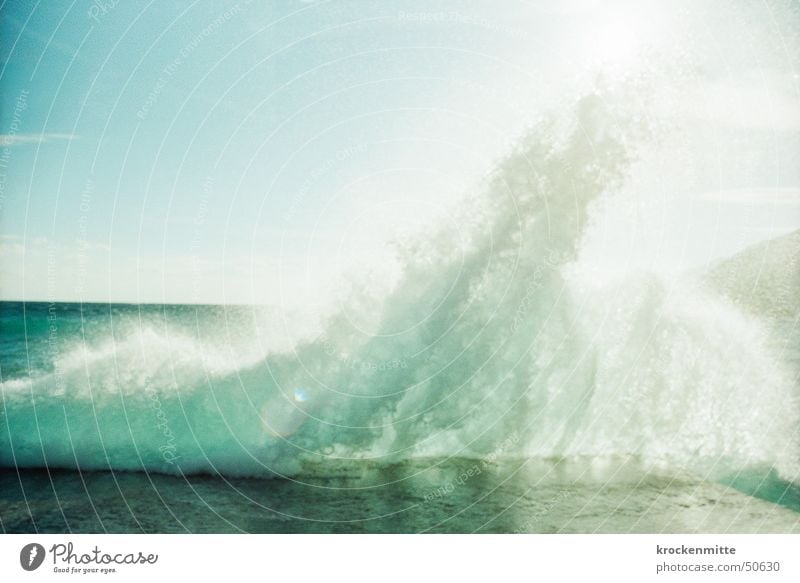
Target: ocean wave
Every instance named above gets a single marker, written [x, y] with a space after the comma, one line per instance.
[491, 344]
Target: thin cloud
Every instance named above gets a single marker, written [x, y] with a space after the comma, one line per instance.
[750, 196]
[750, 104]
[11, 140]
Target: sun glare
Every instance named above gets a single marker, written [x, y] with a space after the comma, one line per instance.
[617, 42]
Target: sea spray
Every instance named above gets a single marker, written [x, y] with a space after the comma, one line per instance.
[499, 333]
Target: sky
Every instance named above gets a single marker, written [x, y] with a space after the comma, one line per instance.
[254, 152]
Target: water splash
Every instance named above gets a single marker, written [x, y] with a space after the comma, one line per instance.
[491, 344]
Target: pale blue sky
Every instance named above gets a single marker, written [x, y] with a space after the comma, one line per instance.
[222, 151]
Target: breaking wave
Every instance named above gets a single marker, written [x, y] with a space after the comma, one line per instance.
[493, 343]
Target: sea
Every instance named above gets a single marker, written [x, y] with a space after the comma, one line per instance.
[498, 385]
